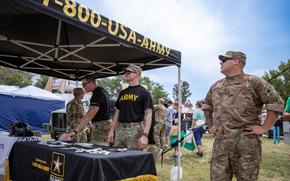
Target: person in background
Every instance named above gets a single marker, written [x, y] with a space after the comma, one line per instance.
[169, 117]
[133, 113]
[98, 113]
[232, 108]
[74, 114]
[175, 128]
[159, 127]
[198, 130]
[286, 114]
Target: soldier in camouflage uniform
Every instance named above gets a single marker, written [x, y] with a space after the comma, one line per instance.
[232, 108]
[159, 127]
[75, 112]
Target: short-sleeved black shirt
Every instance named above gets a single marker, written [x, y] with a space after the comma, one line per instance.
[100, 98]
[132, 103]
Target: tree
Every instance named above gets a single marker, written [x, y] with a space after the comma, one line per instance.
[185, 92]
[156, 90]
[112, 85]
[15, 77]
[41, 82]
[280, 79]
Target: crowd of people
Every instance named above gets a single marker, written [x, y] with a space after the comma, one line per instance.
[230, 110]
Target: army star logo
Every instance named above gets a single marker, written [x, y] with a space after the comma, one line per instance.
[57, 164]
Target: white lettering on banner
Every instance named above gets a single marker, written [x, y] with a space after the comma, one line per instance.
[94, 19]
[25, 139]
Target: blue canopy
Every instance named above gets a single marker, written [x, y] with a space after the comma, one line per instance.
[29, 104]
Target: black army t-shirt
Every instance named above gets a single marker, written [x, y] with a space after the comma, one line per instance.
[132, 103]
[100, 98]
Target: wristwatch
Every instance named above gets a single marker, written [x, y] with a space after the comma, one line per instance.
[145, 134]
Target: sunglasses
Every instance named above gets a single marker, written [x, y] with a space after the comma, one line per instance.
[226, 59]
[128, 72]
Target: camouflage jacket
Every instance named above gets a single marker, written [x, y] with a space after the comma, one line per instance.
[74, 113]
[235, 102]
[160, 113]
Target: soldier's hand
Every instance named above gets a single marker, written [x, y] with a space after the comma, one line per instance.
[142, 142]
[212, 130]
[69, 136]
[110, 137]
[255, 129]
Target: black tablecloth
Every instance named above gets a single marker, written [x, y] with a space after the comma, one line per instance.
[33, 161]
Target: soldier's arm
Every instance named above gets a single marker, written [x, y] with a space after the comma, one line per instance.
[87, 118]
[273, 104]
[286, 116]
[147, 120]
[270, 120]
[115, 124]
[208, 109]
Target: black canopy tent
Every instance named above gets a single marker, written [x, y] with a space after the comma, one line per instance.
[65, 39]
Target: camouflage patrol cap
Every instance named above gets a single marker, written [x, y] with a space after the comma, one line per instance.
[134, 68]
[234, 55]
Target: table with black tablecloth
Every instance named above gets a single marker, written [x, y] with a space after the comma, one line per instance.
[34, 161]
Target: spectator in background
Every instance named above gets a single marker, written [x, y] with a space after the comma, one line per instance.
[198, 124]
[74, 114]
[286, 114]
[169, 117]
[159, 127]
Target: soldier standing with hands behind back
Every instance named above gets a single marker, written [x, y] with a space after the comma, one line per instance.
[232, 108]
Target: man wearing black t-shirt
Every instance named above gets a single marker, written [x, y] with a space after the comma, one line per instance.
[98, 113]
[133, 113]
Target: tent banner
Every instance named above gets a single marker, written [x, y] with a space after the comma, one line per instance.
[79, 14]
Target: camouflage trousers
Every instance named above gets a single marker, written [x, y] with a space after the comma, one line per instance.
[99, 132]
[128, 134]
[159, 135]
[239, 156]
[81, 137]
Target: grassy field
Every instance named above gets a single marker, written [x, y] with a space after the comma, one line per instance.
[275, 162]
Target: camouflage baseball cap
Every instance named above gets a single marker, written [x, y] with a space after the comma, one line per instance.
[234, 55]
[134, 68]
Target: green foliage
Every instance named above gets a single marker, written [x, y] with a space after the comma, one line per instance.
[281, 82]
[185, 92]
[14, 77]
[41, 82]
[157, 91]
[113, 85]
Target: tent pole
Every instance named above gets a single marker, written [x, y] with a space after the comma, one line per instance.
[57, 39]
[179, 121]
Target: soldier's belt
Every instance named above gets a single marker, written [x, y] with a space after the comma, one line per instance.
[131, 124]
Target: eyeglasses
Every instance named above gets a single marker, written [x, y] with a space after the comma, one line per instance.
[85, 83]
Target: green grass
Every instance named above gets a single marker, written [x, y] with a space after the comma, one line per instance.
[275, 162]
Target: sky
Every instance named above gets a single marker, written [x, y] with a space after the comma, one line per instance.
[203, 29]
